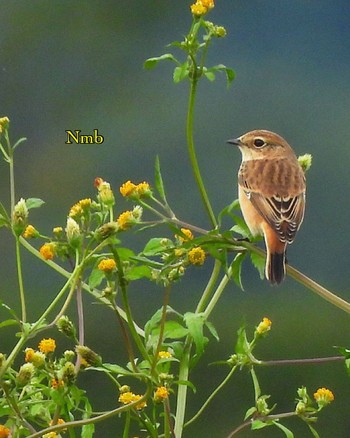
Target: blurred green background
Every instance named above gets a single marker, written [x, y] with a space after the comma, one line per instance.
[78, 65]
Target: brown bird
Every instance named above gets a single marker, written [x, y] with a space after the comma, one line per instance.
[271, 189]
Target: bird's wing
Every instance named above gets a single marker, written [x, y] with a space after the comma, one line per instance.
[283, 214]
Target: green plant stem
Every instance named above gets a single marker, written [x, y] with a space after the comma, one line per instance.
[209, 288]
[182, 391]
[95, 293]
[191, 148]
[20, 281]
[218, 292]
[212, 395]
[257, 390]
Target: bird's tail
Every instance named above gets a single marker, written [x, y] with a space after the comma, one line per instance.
[275, 269]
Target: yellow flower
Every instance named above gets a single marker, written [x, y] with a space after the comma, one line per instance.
[75, 211]
[198, 9]
[164, 355]
[264, 326]
[125, 220]
[201, 7]
[127, 189]
[4, 431]
[57, 231]
[107, 265]
[143, 189]
[85, 203]
[187, 235]
[30, 232]
[161, 394]
[57, 383]
[59, 421]
[196, 256]
[29, 353]
[47, 251]
[47, 345]
[323, 396]
[50, 435]
[4, 123]
[129, 397]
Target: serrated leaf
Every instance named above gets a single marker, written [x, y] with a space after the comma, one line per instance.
[34, 203]
[180, 73]
[288, 433]
[259, 263]
[158, 180]
[152, 62]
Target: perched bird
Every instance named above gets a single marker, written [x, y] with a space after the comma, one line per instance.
[271, 189]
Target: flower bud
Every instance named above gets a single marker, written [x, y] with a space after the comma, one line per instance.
[73, 232]
[88, 355]
[25, 374]
[20, 217]
[65, 326]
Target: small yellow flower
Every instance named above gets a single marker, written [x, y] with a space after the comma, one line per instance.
[75, 211]
[187, 235]
[129, 397]
[196, 256]
[57, 231]
[4, 431]
[59, 421]
[47, 345]
[198, 9]
[107, 265]
[264, 326]
[30, 232]
[164, 355]
[209, 4]
[47, 251]
[127, 189]
[143, 189]
[323, 396]
[85, 203]
[125, 220]
[161, 394]
[29, 353]
[57, 383]
[4, 123]
[50, 435]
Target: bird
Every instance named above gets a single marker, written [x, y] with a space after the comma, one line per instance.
[271, 192]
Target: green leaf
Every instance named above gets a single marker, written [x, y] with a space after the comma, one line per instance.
[8, 322]
[137, 272]
[172, 330]
[180, 73]
[34, 203]
[195, 322]
[113, 368]
[226, 211]
[96, 278]
[155, 246]
[212, 330]
[88, 430]
[125, 253]
[313, 431]
[152, 62]
[186, 383]
[237, 268]
[259, 263]
[158, 180]
[242, 344]
[210, 75]
[287, 432]
[258, 424]
[230, 74]
[251, 411]
[4, 218]
[18, 142]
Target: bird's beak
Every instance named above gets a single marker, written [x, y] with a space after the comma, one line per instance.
[235, 141]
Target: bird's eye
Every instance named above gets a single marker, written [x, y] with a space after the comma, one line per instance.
[259, 143]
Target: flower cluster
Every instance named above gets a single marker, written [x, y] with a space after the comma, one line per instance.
[201, 7]
[126, 397]
[135, 191]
